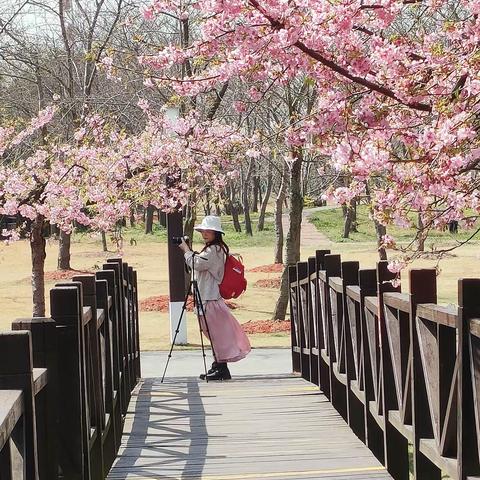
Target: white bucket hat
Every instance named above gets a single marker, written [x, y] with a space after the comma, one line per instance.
[210, 222]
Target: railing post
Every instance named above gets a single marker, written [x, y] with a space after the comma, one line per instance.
[333, 268]
[354, 414]
[16, 373]
[367, 280]
[116, 265]
[129, 324]
[302, 271]
[137, 325]
[423, 289]
[324, 366]
[93, 363]
[106, 359]
[44, 350]
[66, 309]
[110, 277]
[312, 293]
[468, 308]
[395, 444]
[294, 330]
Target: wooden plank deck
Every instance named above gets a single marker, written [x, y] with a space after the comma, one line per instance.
[272, 427]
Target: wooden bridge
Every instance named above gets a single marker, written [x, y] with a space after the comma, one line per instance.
[386, 385]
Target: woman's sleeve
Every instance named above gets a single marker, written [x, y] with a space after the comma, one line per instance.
[203, 261]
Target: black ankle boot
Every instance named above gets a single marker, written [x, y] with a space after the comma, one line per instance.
[221, 373]
[211, 370]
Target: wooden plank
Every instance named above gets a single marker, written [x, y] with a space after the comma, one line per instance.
[429, 448]
[353, 291]
[336, 283]
[475, 327]
[400, 301]
[445, 315]
[11, 409]
[371, 303]
[395, 419]
[87, 315]
[248, 428]
[40, 379]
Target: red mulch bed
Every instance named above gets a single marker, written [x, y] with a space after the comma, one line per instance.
[272, 268]
[266, 326]
[160, 303]
[65, 274]
[268, 283]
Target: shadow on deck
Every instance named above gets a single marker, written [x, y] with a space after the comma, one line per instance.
[256, 427]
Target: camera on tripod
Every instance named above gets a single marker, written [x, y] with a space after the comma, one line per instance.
[178, 240]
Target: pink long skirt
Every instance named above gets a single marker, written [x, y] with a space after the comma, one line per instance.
[229, 341]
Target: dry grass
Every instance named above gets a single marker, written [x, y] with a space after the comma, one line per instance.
[150, 259]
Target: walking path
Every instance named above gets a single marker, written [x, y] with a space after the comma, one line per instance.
[274, 426]
[310, 235]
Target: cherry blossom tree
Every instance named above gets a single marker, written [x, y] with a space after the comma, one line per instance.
[398, 91]
[94, 181]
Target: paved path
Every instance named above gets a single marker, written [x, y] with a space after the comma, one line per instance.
[253, 427]
[189, 363]
[310, 235]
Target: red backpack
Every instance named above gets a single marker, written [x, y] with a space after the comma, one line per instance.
[234, 282]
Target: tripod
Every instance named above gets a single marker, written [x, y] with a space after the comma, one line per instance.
[199, 310]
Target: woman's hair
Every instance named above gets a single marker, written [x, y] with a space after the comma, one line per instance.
[218, 240]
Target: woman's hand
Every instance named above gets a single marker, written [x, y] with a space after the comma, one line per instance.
[184, 246]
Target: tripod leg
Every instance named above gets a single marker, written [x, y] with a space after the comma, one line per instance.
[197, 304]
[204, 315]
[184, 308]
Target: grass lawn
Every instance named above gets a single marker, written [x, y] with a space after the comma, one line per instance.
[330, 222]
[149, 258]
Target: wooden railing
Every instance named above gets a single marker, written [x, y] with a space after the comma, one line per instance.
[66, 381]
[403, 371]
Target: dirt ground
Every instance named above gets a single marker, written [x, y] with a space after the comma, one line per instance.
[150, 260]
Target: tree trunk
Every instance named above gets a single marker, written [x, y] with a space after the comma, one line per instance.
[132, 217]
[381, 230]
[350, 219]
[104, 242]
[256, 188]
[63, 262]
[149, 219]
[266, 198]
[231, 206]
[38, 252]
[278, 253]
[421, 234]
[236, 222]
[218, 210]
[207, 206]
[227, 203]
[191, 218]
[162, 218]
[246, 206]
[354, 225]
[293, 236]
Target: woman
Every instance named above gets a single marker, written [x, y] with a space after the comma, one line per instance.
[229, 342]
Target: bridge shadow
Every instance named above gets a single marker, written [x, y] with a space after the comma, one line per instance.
[168, 437]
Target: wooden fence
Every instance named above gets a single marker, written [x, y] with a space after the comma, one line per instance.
[66, 381]
[403, 371]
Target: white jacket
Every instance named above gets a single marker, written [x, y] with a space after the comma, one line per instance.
[209, 268]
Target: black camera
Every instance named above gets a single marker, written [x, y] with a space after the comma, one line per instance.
[178, 240]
